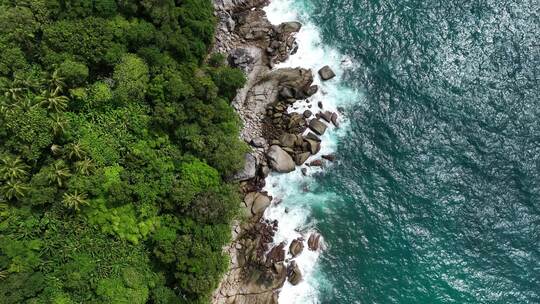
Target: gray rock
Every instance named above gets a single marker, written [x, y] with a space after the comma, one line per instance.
[326, 73]
[294, 275]
[312, 90]
[280, 160]
[287, 140]
[286, 93]
[261, 202]
[250, 168]
[317, 126]
[313, 137]
[296, 247]
[301, 158]
[326, 115]
[307, 114]
[241, 58]
[313, 146]
[258, 142]
[291, 27]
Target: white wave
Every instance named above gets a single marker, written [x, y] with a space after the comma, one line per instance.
[293, 188]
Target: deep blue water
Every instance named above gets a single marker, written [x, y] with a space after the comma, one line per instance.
[439, 175]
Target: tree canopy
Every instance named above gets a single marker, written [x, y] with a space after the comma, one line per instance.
[115, 137]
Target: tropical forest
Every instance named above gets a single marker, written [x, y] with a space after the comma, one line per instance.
[116, 140]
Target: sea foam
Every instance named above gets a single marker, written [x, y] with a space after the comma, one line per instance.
[293, 189]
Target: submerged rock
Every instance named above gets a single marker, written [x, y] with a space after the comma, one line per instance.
[314, 241]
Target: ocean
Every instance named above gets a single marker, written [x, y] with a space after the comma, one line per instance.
[435, 194]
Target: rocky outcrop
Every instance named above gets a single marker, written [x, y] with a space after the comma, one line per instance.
[314, 241]
[280, 141]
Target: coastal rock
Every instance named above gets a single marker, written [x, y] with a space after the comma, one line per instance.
[316, 163]
[291, 27]
[296, 247]
[314, 241]
[242, 58]
[286, 93]
[276, 254]
[258, 142]
[312, 90]
[313, 146]
[317, 126]
[294, 275]
[307, 114]
[280, 160]
[301, 158]
[260, 203]
[250, 168]
[287, 140]
[329, 157]
[312, 137]
[326, 115]
[326, 73]
[334, 119]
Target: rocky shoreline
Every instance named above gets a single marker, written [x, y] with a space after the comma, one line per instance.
[281, 141]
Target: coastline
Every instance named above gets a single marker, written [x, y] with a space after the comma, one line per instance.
[281, 142]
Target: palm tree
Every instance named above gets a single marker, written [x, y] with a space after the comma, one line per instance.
[75, 200]
[13, 190]
[85, 166]
[13, 168]
[59, 124]
[53, 101]
[59, 173]
[56, 82]
[56, 149]
[74, 151]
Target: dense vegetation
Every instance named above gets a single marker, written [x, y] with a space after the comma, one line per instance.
[115, 136]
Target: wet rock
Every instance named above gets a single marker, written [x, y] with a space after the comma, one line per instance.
[316, 163]
[314, 241]
[291, 27]
[307, 114]
[312, 90]
[304, 171]
[313, 146]
[320, 105]
[317, 126]
[313, 137]
[329, 157]
[326, 73]
[334, 119]
[301, 158]
[280, 160]
[296, 247]
[294, 275]
[276, 254]
[326, 115]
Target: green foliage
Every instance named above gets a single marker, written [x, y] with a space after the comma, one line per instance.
[131, 76]
[114, 140]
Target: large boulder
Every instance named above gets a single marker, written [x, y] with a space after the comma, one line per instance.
[280, 160]
[294, 275]
[317, 126]
[258, 142]
[287, 140]
[313, 146]
[314, 241]
[296, 247]
[301, 158]
[250, 168]
[326, 73]
[260, 203]
[276, 254]
[291, 27]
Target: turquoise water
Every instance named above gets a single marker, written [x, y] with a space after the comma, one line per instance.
[438, 181]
